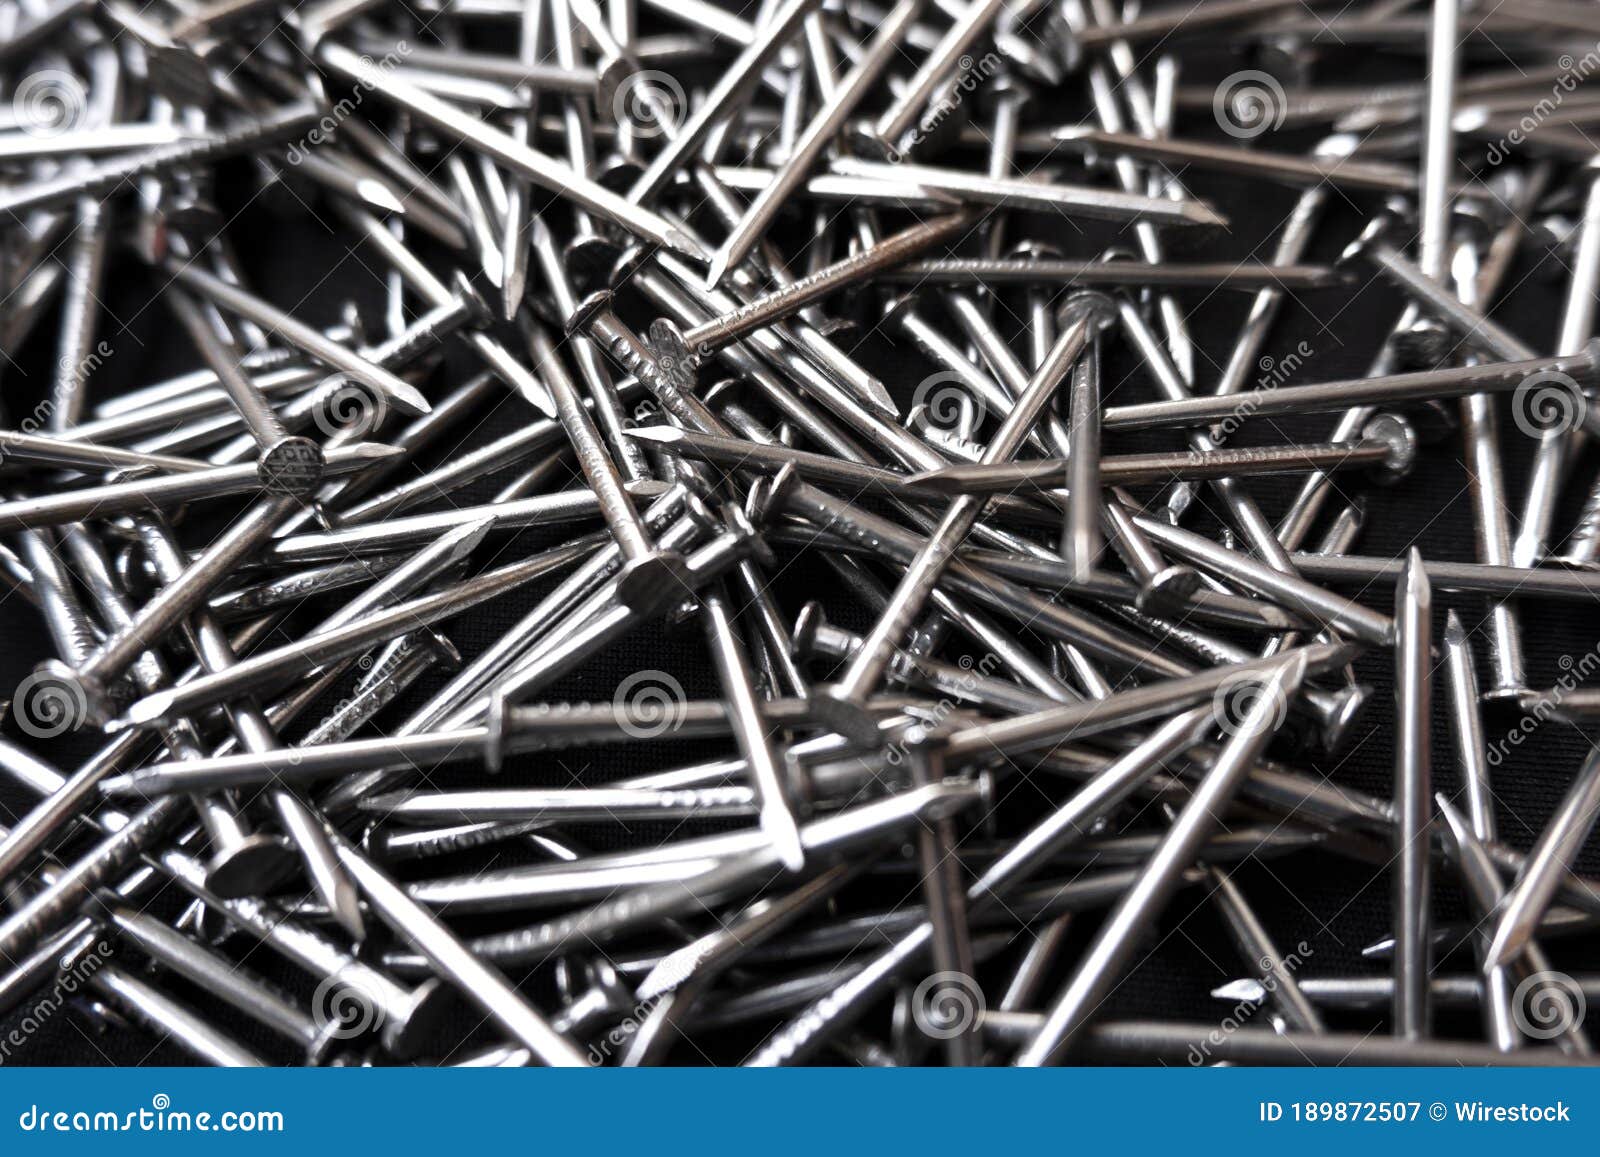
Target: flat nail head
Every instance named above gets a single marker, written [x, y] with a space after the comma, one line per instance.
[294, 466]
[650, 582]
[1402, 440]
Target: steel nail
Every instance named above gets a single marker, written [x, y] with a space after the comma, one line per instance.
[383, 383]
[797, 295]
[1552, 855]
[165, 492]
[478, 981]
[522, 159]
[1413, 816]
[776, 809]
[1109, 954]
[252, 134]
[923, 572]
[1388, 443]
[648, 575]
[823, 127]
[720, 103]
[1326, 397]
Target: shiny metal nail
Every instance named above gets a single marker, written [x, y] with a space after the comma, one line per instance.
[1552, 855]
[1558, 445]
[1327, 397]
[479, 982]
[824, 126]
[1256, 945]
[1105, 959]
[40, 449]
[777, 810]
[797, 295]
[648, 575]
[165, 492]
[1388, 444]
[341, 639]
[720, 102]
[1295, 171]
[522, 159]
[104, 177]
[398, 393]
[893, 124]
[997, 272]
[923, 572]
[1413, 814]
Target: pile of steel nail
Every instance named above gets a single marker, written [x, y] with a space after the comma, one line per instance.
[1089, 673]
